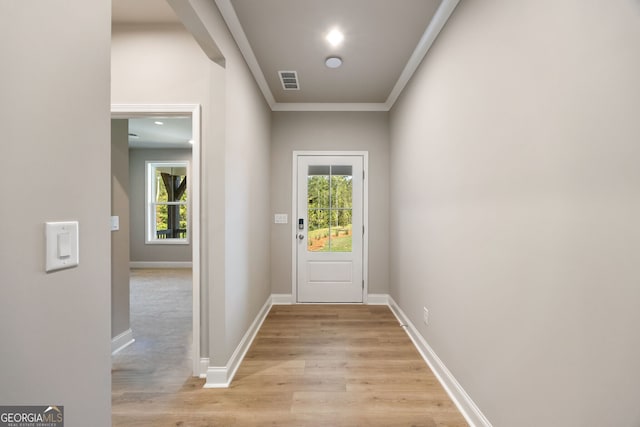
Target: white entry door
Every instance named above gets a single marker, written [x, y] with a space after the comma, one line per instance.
[329, 229]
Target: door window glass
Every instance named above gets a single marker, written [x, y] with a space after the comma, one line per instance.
[329, 208]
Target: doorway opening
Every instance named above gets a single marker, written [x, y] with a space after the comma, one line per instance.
[168, 231]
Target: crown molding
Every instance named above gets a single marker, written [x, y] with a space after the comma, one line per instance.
[328, 106]
[440, 18]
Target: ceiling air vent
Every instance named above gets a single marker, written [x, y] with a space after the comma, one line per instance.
[289, 80]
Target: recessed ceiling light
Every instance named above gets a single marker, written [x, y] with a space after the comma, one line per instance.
[335, 37]
[159, 123]
[333, 62]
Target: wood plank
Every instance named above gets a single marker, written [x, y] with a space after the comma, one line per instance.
[310, 365]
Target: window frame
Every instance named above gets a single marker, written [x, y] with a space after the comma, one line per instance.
[151, 234]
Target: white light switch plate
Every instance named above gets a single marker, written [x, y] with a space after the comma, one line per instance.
[62, 245]
[115, 223]
[281, 219]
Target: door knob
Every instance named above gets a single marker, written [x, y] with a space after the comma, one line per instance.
[301, 236]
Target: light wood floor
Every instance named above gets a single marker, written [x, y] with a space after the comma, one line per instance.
[310, 365]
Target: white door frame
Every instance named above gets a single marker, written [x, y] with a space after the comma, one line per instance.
[127, 111]
[294, 222]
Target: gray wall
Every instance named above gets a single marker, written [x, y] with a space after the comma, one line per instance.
[158, 64]
[54, 115]
[356, 131]
[120, 238]
[162, 64]
[515, 159]
[140, 251]
[236, 171]
[235, 267]
[246, 166]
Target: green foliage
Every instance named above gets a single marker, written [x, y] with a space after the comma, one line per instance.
[329, 212]
[162, 216]
[330, 201]
[340, 244]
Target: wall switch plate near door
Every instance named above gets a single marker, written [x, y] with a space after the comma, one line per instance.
[281, 218]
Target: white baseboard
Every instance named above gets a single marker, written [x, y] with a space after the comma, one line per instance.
[467, 407]
[287, 299]
[377, 299]
[160, 264]
[123, 340]
[221, 376]
[204, 366]
[281, 299]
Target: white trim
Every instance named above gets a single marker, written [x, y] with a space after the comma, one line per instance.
[329, 106]
[462, 400]
[294, 225]
[126, 111]
[169, 242]
[365, 223]
[151, 235]
[203, 367]
[160, 264]
[221, 376]
[217, 377]
[281, 299]
[194, 218]
[378, 299]
[440, 18]
[365, 216]
[122, 341]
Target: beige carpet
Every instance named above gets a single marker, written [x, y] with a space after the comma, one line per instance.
[160, 357]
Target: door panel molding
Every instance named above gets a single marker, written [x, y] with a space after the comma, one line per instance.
[365, 216]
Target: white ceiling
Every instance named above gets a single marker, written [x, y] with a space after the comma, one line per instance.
[175, 132]
[385, 41]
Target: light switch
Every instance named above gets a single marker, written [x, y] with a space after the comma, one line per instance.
[64, 244]
[281, 218]
[61, 245]
[115, 223]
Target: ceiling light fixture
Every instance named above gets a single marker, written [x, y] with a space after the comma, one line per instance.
[159, 123]
[333, 62]
[335, 37]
